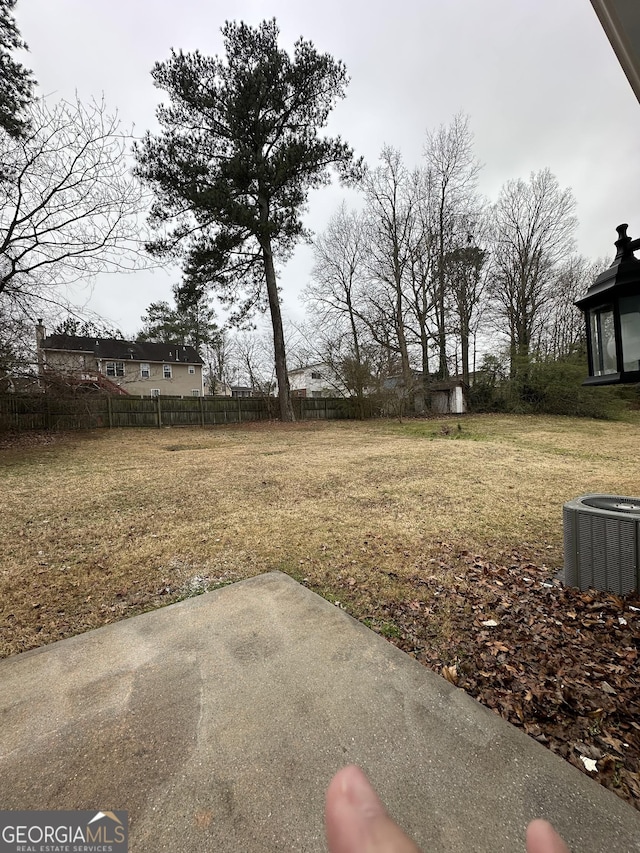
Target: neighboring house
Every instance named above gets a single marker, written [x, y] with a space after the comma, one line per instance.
[316, 380]
[217, 387]
[120, 367]
[243, 391]
[222, 389]
[395, 391]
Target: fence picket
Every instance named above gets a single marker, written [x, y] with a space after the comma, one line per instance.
[42, 411]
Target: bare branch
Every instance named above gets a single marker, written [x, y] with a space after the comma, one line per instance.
[70, 207]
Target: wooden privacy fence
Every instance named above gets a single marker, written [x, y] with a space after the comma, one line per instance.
[43, 411]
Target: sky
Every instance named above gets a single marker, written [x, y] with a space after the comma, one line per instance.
[538, 79]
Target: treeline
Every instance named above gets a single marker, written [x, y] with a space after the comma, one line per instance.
[424, 279]
[427, 279]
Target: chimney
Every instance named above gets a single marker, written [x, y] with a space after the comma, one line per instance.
[40, 335]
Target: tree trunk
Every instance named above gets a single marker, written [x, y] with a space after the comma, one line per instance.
[359, 376]
[464, 343]
[443, 368]
[284, 394]
[407, 376]
[465, 334]
[424, 351]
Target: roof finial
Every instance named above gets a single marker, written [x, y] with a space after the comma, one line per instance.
[623, 243]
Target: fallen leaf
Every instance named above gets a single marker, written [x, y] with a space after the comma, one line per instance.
[590, 764]
[450, 673]
[562, 666]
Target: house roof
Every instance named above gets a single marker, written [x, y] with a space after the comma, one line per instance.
[316, 365]
[123, 350]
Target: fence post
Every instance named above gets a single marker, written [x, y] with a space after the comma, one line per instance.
[159, 411]
[201, 411]
[239, 409]
[110, 411]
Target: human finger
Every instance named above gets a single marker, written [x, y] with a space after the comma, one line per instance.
[357, 822]
[542, 838]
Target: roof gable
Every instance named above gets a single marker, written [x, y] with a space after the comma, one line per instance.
[118, 350]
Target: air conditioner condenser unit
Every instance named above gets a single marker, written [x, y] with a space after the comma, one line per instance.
[601, 540]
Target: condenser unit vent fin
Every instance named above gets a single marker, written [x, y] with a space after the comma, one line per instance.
[601, 536]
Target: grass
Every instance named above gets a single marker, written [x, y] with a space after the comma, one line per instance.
[441, 535]
[103, 525]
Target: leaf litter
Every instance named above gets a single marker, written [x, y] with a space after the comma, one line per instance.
[559, 663]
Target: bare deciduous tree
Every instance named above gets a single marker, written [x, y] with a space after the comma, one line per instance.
[250, 362]
[391, 223]
[452, 201]
[17, 358]
[336, 296]
[419, 288]
[467, 266]
[68, 204]
[563, 331]
[534, 224]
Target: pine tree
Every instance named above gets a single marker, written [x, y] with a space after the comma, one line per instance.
[232, 167]
[16, 81]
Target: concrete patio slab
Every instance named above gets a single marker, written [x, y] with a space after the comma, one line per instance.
[219, 721]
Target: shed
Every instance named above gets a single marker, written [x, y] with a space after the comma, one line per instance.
[448, 397]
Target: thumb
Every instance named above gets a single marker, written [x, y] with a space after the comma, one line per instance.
[357, 822]
[542, 838]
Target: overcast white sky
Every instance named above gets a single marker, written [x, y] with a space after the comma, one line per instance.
[538, 79]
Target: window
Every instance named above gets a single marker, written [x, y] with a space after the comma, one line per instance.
[192, 369]
[115, 368]
[155, 392]
[603, 337]
[166, 371]
[195, 392]
[145, 371]
[315, 375]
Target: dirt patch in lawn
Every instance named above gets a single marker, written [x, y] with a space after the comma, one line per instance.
[423, 530]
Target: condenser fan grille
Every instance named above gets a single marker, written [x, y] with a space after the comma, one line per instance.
[601, 543]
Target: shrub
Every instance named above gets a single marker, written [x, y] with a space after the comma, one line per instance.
[552, 387]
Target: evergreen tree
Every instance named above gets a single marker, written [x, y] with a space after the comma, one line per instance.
[16, 82]
[232, 167]
[190, 323]
[77, 327]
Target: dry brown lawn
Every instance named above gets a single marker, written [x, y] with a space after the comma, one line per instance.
[428, 531]
[100, 526]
